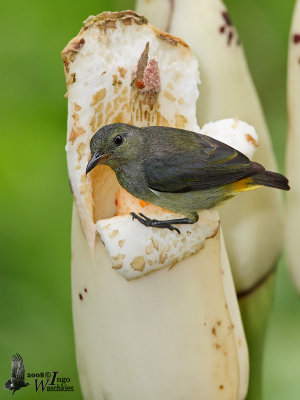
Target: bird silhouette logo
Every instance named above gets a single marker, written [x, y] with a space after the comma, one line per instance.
[17, 380]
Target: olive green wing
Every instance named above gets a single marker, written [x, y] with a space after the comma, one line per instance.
[195, 162]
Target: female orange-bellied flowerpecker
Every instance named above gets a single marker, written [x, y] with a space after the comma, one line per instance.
[176, 169]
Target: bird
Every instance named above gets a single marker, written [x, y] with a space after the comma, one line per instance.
[17, 380]
[179, 170]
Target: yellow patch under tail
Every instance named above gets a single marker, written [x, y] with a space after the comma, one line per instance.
[243, 185]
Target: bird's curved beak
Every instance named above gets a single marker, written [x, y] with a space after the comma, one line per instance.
[95, 160]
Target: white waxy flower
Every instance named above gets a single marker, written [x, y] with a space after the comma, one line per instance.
[174, 332]
[252, 222]
[293, 150]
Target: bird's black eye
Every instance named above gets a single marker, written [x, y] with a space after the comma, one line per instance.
[118, 140]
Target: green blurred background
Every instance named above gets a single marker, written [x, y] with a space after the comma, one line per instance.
[35, 202]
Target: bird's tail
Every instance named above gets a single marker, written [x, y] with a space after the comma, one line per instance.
[271, 179]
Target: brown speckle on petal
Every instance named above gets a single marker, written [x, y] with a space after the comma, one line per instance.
[80, 150]
[149, 248]
[116, 81]
[180, 121]
[113, 233]
[77, 107]
[75, 116]
[117, 266]
[230, 36]
[251, 139]
[121, 242]
[72, 79]
[296, 38]
[119, 257]
[100, 95]
[228, 29]
[168, 95]
[162, 257]
[75, 132]
[78, 44]
[138, 263]
[227, 18]
[122, 71]
[172, 40]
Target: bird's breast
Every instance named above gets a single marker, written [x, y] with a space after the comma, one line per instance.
[132, 179]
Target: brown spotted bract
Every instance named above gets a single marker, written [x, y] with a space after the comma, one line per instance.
[296, 38]
[228, 29]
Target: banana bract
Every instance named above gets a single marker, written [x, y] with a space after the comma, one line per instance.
[293, 150]
[155, 314]
[252, 222]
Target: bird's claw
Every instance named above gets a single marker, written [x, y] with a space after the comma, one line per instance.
[135, 216]
[153, 222]
[168, 226]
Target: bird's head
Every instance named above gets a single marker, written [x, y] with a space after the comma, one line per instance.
[113, 144]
